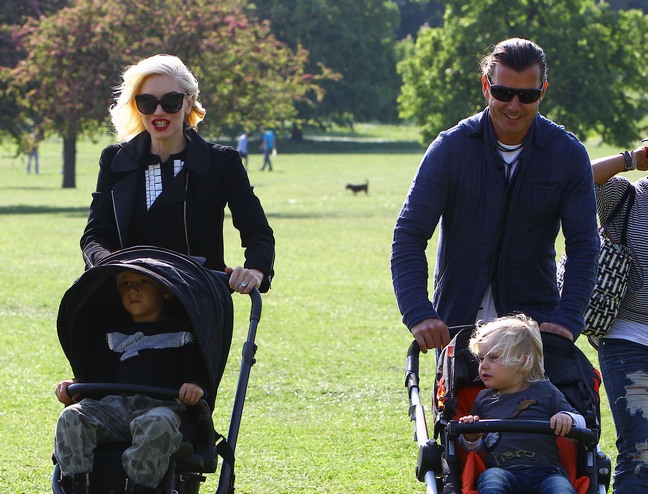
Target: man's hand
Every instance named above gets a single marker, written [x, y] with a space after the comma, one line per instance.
[549, 327]
[431, 333]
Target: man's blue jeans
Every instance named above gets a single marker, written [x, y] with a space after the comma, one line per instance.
[537, 479]
[624, 365]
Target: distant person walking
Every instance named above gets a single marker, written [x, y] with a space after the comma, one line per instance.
[31, 147]
[32, 157]
[268, 145]
[242, 147]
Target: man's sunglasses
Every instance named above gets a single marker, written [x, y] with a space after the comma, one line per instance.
[170, 102]
[506, 94]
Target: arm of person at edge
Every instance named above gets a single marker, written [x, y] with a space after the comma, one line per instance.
[605, 168]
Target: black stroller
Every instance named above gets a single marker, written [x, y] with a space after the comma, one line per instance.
[204, 299]
[444, 467]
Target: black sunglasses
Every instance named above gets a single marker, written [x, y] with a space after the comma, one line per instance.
[170, 102]
[506, 94]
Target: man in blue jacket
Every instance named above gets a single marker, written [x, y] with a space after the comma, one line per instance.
[501, 183]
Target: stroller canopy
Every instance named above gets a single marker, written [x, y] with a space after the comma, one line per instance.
[92, 304]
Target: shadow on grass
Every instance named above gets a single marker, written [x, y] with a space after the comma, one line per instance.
[27, 210]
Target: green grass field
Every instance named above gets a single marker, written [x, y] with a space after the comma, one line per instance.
[327, 407]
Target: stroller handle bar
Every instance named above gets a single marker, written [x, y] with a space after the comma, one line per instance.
[88, 390]
[455, 428]
[412, 365]
[255, 296]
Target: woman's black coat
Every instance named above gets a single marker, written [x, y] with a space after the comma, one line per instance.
[187, 216]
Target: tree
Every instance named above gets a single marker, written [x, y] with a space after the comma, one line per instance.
[628, 5]
[75, 57]
[16, 121]
[353, 38]
[67, 75]
[596, 74]
[415, 14]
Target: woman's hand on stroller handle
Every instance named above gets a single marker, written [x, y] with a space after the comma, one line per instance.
[244, 280]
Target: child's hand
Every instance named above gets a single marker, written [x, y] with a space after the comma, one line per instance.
[190, 394]
[61, 392]
[561, 423]
[469, 419]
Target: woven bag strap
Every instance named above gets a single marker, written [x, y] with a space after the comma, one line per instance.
[629, 198]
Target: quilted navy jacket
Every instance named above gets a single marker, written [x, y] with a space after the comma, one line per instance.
[493, 231]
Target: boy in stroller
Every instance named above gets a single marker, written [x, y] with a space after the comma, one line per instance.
[511, 366]
[153, 348]
[443, 465]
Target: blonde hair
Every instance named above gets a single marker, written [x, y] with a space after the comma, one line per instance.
[126, 119]
[517, 341]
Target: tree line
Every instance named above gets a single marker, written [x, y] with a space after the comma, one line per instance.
[308, 62]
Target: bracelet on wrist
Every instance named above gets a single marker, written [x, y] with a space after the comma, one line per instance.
[630, 161]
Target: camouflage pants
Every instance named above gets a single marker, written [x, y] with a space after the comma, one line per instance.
[151, 426]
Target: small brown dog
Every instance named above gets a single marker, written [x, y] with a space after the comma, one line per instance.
[355, 188]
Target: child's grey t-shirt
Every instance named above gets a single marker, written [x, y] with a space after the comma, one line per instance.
[540, 401]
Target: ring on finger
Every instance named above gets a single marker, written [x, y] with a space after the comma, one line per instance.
[244, 284]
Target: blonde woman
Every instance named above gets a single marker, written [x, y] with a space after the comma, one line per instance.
[164, 185]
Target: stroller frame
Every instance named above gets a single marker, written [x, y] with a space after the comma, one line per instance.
[432, 453]
[224, 447]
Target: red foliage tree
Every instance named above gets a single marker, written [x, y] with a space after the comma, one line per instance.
[75, 57]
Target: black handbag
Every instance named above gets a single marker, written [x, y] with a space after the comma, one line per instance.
[614, 266]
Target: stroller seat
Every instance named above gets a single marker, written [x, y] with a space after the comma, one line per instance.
[572, 450]
[444, 466]
[204, 304]
[197, 455]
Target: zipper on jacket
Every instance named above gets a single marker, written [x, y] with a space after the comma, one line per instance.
[184, 206]
[112, 197]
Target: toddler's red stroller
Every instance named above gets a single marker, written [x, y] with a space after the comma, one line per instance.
[443, 466]
[203, 298]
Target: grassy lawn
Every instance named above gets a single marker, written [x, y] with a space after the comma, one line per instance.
[326, 408]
